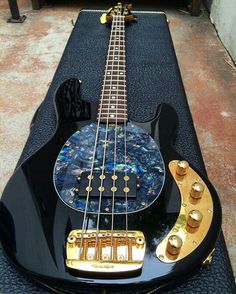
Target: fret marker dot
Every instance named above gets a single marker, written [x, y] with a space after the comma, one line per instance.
[112, 106]
[108, 73]
[116, 48]
[112, 115]
[121, 73]
[116, 58]
[113, 97]
[113, 87]
[117, 38]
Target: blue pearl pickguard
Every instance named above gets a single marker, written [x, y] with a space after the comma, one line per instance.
[143, 158]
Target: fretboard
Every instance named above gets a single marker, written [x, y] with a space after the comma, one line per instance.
[113, 103]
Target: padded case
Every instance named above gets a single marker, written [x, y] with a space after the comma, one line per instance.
[153, 77]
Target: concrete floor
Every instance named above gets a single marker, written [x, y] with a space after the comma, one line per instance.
[29, 55]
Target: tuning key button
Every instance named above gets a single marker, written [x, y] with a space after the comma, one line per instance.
[197, 190]
[182, 167]
[194, 218]
[174, 244]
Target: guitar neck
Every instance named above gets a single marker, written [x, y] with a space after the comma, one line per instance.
[113, 102]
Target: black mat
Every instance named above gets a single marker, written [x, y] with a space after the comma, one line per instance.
[153, 77]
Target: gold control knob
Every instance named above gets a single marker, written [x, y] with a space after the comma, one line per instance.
[174, 244]
[194, 218]
[197, 190]
[182, 167]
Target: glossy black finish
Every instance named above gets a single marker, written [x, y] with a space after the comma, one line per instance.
[35, 223]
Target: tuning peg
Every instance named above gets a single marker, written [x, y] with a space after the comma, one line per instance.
[194, 218]
[174, 244]
[182, 167]
[197, 190]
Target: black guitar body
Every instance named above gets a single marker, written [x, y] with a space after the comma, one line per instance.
[35, 223]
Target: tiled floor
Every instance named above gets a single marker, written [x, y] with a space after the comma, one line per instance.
[29, 55]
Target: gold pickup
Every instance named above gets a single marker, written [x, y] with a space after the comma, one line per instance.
[105, 251]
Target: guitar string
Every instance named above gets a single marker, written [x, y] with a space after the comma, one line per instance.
[94, 151]
[118, 26]
[125, 169]
[106, 132]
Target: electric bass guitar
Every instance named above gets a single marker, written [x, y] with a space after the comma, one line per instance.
[107, 205]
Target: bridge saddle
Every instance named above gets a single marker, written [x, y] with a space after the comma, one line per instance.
[105, 251]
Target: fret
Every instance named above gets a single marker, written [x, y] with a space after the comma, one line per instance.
[121, 117]
[118, 82]
[114, 95]
[118, 104]
[119, 111]
[116, 62]
[115, 92]
[117, 43]
[117, 38]
[117, 50]
[118, 29]
[114, 87]
[115, 73]
[109, 80]
[109, 99]
[109, 102]
[116, 57]
[107, 105]
[117, 47]
[112, 115]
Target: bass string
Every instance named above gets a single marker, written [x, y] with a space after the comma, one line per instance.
[119, 30]
[84, 225]
[125, 169]
[113, 35]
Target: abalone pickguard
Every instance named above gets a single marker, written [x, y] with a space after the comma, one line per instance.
[142, 158]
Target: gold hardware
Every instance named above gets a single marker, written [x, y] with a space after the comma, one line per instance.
[182, 167]
[194, 218]
[101, 189]
[126, 189]
[197, 190]
[102, 177]
[174, 244]
[191, 236]
[126, 178]
[89, 189]
[208, 260]
[113, 189]
[105, 251]
[90, 177]
[114, 177]
[103, 18]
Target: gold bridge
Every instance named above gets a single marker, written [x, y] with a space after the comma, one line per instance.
[105, 251]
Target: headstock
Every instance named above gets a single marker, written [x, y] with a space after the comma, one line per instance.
[119, 9]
